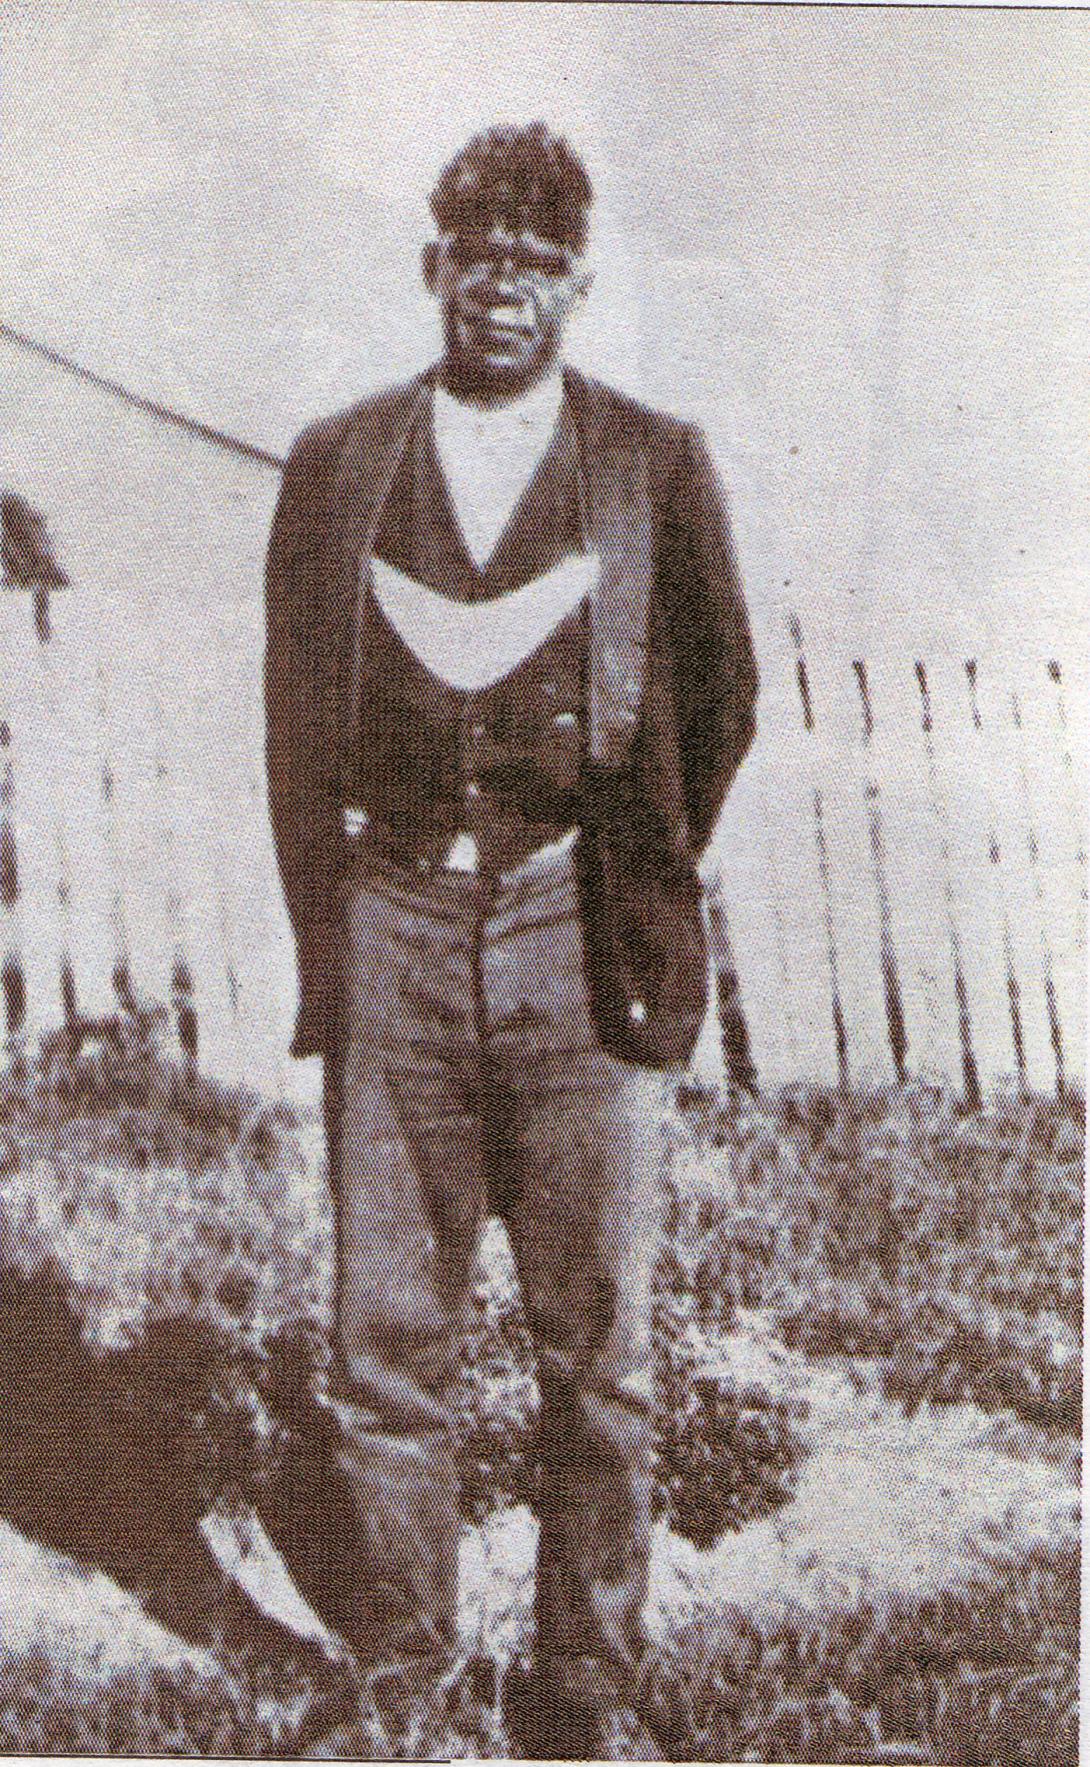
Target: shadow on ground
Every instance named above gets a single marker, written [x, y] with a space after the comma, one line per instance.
[113, 1456]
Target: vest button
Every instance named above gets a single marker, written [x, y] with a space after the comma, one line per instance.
[477, 732]
[473, 791]
[637, 1012]
[565, 720]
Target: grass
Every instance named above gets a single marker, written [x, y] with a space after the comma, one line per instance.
[894, 1226]
[45, 1709]
[985, 1676]
[829, 1266]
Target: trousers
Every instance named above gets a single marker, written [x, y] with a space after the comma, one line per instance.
[466, 1080]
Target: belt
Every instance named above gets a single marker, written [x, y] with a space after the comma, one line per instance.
[434, 853]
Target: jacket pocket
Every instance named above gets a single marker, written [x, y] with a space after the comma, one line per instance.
[646, 950]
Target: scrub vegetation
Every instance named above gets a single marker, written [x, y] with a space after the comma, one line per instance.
[868, 1317]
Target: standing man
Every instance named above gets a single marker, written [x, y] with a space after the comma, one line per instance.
[509, 681]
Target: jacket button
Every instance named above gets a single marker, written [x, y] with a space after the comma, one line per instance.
[637, 1012]
[565, 720]
[473, 791]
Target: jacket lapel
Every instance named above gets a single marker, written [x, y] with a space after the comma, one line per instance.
[368, 461]
[618, 523]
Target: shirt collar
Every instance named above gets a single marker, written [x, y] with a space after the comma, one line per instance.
[536, 410]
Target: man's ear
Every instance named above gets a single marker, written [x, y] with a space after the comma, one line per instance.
[583, 284]
[429, 264]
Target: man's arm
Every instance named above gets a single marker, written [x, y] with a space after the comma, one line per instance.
[715, 671]
[302, 805]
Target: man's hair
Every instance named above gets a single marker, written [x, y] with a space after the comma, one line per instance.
[527, 177]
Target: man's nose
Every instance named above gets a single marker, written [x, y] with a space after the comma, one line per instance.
[504, 273]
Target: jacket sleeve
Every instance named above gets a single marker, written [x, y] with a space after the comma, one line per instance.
[714, 668]
[302, 804]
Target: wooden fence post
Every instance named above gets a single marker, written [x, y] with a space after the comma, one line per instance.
[969, 1073]
[121, 969]
[69, 1000]
[182, 993]
[1014, 1000]
[1074, 799]
[1047, 972]
[891, 981]
[12, 972]
[840, 1033]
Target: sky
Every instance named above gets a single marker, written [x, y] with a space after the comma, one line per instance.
[851, 242]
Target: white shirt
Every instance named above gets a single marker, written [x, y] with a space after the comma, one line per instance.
[489, 455]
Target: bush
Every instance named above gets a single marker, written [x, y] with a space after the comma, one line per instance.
[891, 1226]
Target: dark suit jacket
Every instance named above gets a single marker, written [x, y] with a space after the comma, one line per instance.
[698, 705]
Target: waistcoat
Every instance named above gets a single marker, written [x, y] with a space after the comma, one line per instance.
[502, 762]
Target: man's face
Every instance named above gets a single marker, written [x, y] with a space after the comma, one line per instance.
[505, 299]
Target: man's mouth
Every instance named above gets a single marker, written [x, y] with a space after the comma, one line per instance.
[507, 323]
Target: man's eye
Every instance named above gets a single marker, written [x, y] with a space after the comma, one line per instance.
[477, 254]
[543, 266]
[470, 248]
[530, 264]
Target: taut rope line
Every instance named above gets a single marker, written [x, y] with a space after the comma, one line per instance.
[151, 407]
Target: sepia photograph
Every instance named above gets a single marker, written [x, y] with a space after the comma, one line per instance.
[544, 670]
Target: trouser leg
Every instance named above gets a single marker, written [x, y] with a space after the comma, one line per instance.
[408, 1193]
[586, 1151]
[585, 1238]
